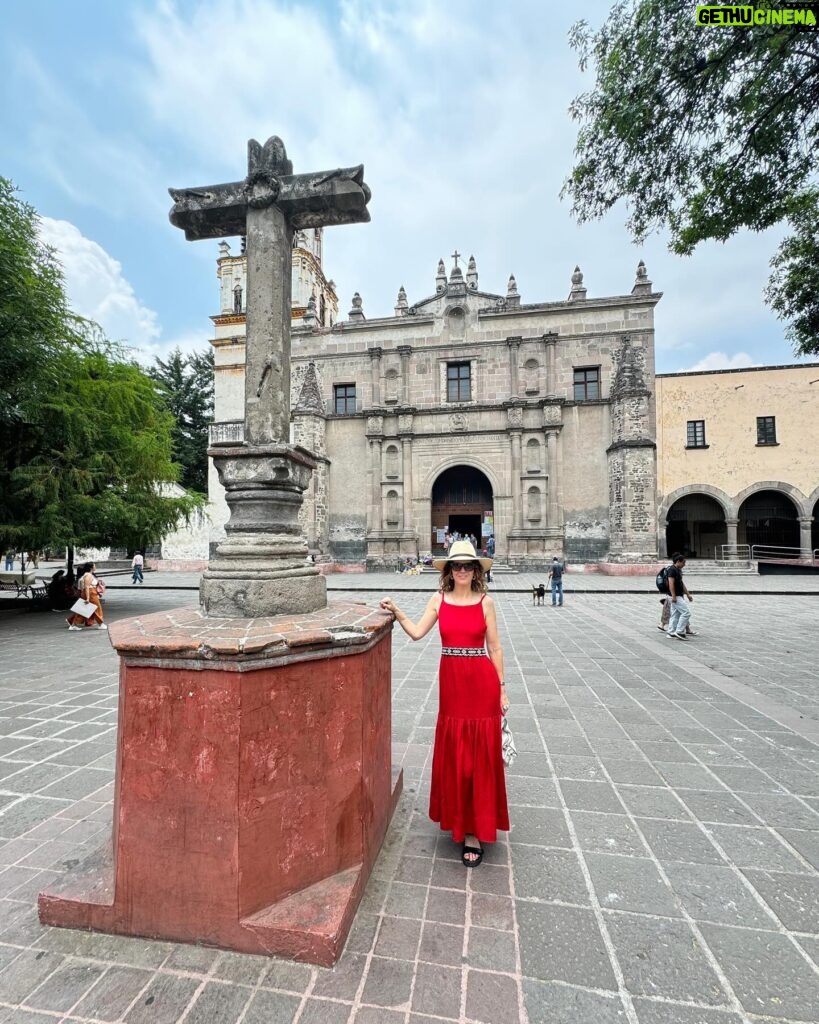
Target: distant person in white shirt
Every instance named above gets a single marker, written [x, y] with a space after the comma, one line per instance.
[137, 562]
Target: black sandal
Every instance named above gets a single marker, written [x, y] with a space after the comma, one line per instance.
[474, 850]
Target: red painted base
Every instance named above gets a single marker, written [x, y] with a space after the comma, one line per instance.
[253, 786]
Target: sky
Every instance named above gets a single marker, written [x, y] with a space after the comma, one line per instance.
[459, 114]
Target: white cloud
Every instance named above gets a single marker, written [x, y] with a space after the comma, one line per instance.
[722, 361]
[98, 290]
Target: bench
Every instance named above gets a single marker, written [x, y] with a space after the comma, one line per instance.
[21, 584]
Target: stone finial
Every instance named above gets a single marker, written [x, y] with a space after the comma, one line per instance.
[512, 296]
[440, 277]
[642, 285]
[310, 399]
[578, 292]
[224, 249]
[356, 313]
[472, 275]
[310, 317]
[401, 306]
[456, 274]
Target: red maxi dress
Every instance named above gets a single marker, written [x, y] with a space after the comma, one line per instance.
[468, 793]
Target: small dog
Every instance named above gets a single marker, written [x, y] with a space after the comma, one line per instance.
[538, 593]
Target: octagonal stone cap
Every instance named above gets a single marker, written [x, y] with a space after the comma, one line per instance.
[185, 634]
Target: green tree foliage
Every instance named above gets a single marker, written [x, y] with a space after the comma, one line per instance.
[85, 443]
[186, 386]
[704, 131]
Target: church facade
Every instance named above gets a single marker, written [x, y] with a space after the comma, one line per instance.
[468, 410]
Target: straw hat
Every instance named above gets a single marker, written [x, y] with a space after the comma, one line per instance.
[461, 551]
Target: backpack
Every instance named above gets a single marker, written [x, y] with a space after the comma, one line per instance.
[662, 580]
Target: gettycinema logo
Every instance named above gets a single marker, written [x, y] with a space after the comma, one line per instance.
[805, 16]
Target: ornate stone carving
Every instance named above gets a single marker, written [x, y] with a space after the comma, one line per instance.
[457, 422]
[375, 425]
[552, 414]
[514, 416]
[405, 423]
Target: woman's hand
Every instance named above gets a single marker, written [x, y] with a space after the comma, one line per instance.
[388, 605]
[504, 700]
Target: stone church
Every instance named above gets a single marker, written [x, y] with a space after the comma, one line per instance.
[467, 410]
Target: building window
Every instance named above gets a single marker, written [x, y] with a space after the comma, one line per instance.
[695, 437]
[586, 383]
[344, 395]
[766, 430]
[458, 382]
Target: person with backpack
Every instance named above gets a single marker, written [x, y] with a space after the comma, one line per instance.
[665, 601]
[677, 594]
[556, 579]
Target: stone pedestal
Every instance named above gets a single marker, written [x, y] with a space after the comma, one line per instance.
[261, 567]
[253, 782]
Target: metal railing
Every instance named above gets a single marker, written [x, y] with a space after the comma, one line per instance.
[772, 552]
[733, 553]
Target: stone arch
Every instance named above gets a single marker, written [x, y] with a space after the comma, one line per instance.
[534, 455]
[768, 517]
[534, 512]
[813, 510]
[720, 496]
[797, 497]
[391, 460]
[391, 509]
[460, 493]
[459, 460]
[695, 526]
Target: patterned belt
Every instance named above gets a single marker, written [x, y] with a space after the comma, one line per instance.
[464, 652]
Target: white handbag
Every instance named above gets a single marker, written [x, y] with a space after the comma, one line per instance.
[508, 748]
[84, 608]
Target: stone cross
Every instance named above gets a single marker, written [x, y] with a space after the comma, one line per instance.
[260, 569]
[268, 206]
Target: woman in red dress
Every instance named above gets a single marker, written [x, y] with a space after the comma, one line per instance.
[468, 794]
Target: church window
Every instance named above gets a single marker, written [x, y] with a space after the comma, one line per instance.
[458, 382]
[344, 399]
[586, 383]
[322, 310]
[766, 430]
[237, 298]
[695, 434]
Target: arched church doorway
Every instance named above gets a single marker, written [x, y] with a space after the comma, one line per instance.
[769, 518]
[696, 527]
[814, 530]
[461, 503]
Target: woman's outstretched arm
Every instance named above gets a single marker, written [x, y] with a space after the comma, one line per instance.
[414, 630]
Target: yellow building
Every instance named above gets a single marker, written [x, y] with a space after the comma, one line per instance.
[738, 459]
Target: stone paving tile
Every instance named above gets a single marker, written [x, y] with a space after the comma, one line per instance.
[661, 957]
[675, 787]
[766, 971]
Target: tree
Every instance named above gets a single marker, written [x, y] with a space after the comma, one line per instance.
[186, 386]
[85, 443]
[705, 130]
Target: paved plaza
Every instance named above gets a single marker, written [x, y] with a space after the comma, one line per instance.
[662, 868]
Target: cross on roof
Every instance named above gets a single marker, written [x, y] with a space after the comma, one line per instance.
[456, 256]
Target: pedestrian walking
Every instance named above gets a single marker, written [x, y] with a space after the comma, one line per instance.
[88, 587]
[137, 564]
[678, 592]
[9, 561]
[556, 579]
[468, 792]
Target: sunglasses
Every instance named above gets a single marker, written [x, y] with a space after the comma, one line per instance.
[465, 567]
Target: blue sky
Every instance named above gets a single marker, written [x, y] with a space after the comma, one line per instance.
[458, 112]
